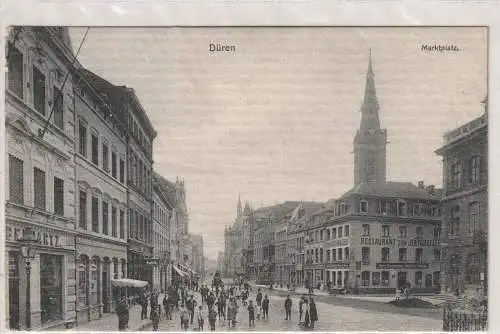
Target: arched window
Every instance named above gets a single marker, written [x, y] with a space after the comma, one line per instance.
[83, 270]
[124, 268]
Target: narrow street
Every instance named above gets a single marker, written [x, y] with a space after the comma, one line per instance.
[332, 317]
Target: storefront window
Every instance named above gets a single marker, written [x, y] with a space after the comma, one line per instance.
[51, 287]
[365, 278]
[418, 278]
[385, 278]
[375, 278]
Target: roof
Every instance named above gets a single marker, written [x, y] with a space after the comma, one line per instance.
[167, 187]
[392, 189]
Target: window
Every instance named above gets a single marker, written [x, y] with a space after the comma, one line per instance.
[141, 227]
[418, 278]
[83, 281]
[51, 287]
[321, 235]
[316, 256]
[456, 175]
[385, 254]
[113, 222]
[94, 282]
[58, 108]
[363, 207]
[321, 255]
[402, 208]
[105, 159]
[58, 196]
[417, 210]
[15, 68]
[365, 255]
[328, 234]
[437, 254]
[340, 232]
[385, 230]
[334, 255]
[105, 215]
[366, 230]
[403, 255]
[403, 232]
[328, 259]
[455, 220]
[419, 255]
[16, 180]
[39, 102]
[365, 278]
[346, 254]
[385, 278]
[95, 149]
[474, 170]
[82, 138]
[114, 170]
[83, 210]
[375, 278]
[339, 253]
[334, 233]
[436, 278]
[473, 222]
[344, 208]
[39, 188]
[95, 214]
[122, 171]
[420, 232]
[437, 232]
[316, 236]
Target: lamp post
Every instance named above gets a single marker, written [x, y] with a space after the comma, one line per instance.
[28, 254]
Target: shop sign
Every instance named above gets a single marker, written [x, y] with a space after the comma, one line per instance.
[339, 242]
[340, 265]
[44, 238]
[402, 265]
[366, 241]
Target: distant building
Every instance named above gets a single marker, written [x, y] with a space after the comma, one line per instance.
[465, 203]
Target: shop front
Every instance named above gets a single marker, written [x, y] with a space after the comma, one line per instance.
[47, 299]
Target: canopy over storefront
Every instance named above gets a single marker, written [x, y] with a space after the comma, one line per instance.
[127, 282]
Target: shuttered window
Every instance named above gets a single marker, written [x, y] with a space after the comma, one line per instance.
[83, 209]
[95, 214]
[58, 108]
[105, 218]
[39, 188]
[113, 222]
[15, 75]
[16, 180]
[58, 196]
[39, 102]
[122, 224]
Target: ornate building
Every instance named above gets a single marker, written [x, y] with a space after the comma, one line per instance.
[39, 177]
[465, 203]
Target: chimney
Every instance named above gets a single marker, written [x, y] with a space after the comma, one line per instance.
[431, 189]
[421, 184]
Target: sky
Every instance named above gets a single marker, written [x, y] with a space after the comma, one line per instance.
[275, 120]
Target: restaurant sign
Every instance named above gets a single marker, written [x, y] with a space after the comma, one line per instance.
[339, 265]
[367, 241]
[402, 265]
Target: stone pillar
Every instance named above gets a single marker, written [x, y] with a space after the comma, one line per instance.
[36, 312]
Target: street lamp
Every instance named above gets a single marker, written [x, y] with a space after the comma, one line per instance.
[28, 254]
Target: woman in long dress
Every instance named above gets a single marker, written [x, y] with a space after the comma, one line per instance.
[307, 315]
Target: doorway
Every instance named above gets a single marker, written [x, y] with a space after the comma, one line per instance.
[402, 279]
[105, 288]
[14, 291]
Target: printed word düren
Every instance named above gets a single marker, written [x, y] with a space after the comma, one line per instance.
[217, 47]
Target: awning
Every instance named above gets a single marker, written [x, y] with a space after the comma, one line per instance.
[127, 282]
[180, 272]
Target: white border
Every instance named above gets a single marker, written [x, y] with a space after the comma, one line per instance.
[279, 13]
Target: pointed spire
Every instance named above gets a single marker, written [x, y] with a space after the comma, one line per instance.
[240, 207]
[369, 107]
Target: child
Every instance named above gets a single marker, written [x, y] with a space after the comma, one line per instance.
[251, 314]
[200, 318]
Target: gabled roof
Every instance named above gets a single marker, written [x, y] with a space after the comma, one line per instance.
[167, 187]
[392, 190]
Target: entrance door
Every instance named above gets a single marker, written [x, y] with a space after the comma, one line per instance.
[13, 291]
[402, 279]
[105, 289]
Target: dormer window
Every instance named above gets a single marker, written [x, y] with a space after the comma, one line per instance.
[363, 206]
[402, 208]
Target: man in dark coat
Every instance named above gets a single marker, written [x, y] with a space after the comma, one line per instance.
[265, 307]
[288, 308]
[191, 305]
[144, 306]
[258, 299]
[123, 314]
[313, 311]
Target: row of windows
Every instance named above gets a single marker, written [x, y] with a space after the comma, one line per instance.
[382, 278]
[117, 169]
[162, 216]
[393, 208]
[336, 254]
[473, 221]
[403, 231]
[16, 187]
[463, 173]
[402, 255]
[140, 227]
[139, 135]
[139, 174]
[109, 226]
[40, 88]
[321, 235]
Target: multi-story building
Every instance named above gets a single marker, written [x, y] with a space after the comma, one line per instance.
[140, 134]
[198, 263]
[162, 219]
[281, 253]
[40, 177]
[101, 243]
[384, 235]
[465, 203]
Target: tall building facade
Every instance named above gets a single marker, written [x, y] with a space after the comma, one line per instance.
[465, 204]
[39, 178]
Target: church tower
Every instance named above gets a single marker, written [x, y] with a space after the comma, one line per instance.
[239, 211]
[370, 140]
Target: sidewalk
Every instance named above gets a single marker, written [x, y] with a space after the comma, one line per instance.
[298, 290]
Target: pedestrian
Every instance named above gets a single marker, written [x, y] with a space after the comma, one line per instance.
[144, 305]
[251, 314]
[301, 307]
[288, 308]
[306, 314]
[258, 299]
[184, 316]
[199, 317]
[155, 318]
[232, 310]
[313, 311]
[265, 307]
[166, 306]
[122, 311]
[191, 306]
[212, 318]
